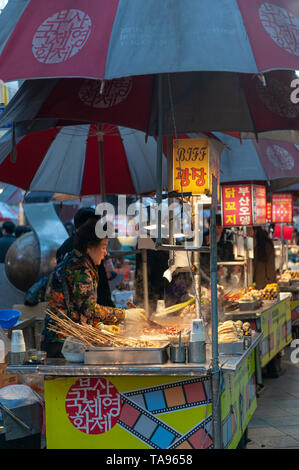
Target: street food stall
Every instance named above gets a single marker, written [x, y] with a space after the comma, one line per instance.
[145, 406]
[169, 385]
[266, 310]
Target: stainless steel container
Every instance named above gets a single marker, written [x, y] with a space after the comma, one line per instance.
[105, 355]
[235, 347]
[247, 305]
[197, 351]
[178, 353]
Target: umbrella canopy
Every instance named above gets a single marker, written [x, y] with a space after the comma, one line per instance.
[62, 38]
[266, 160]
[11, 194]
[66, 160]
[192, 102]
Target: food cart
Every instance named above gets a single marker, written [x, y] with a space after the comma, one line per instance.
[147, 400]
[157, 406]
[288, 283]
[273, 319]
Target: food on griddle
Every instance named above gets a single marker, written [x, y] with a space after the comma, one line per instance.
[230, 300]
[110, 328]
[289, 275]
[167, 333]
[188, 312]
[251, 296]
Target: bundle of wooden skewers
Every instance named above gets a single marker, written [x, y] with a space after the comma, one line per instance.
[90, 335]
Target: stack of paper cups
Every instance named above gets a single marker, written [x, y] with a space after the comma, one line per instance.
[160, 306]
[17, 348]
[17, 342]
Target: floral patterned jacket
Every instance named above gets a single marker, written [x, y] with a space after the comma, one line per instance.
[81, 280]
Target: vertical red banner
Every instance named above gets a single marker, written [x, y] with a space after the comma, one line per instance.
[259, 205]
[282, 208]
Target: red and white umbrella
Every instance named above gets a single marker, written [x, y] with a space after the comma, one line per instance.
[105, 39]
[66, 160]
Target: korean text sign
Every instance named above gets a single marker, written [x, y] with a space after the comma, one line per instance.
[192, 166]
[243, 205]
[259, 204]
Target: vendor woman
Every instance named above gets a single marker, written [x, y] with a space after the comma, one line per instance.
[72, 289]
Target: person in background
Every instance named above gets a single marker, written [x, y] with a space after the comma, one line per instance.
[8, 238]
[225, 252]
[72, 289]
[113, 277]
[264, 259]
[81, 216]
[21, 229]
[295, 237]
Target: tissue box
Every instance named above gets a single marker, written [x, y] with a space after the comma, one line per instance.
[8, 379]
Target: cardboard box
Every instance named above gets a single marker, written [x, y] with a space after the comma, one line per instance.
[2, 368]
[8, 379]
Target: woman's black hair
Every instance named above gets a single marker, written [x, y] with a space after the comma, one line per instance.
[86, 236]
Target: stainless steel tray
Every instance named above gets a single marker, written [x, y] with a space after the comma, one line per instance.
[105, 355]
[236, 347]
[245, 305]
[284, 283]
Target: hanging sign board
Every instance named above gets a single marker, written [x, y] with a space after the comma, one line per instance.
[259, 204]
[282, 208]
[193, 166]
[243, 204]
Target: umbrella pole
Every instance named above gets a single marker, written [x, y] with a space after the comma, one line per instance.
[21, 214]
[170, 200]
[159, 160]
[145, 282]
[144, 267]
[100, 136]
[196, 258]
[216, 390]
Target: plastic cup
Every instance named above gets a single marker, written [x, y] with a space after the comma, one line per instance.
[17, 342]
[160, 306]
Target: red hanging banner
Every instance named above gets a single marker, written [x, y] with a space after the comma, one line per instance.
[282, 208]
[259, 204]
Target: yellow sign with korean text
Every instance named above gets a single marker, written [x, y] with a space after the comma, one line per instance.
[193, 166]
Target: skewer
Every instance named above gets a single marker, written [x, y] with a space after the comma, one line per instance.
[90, 335]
